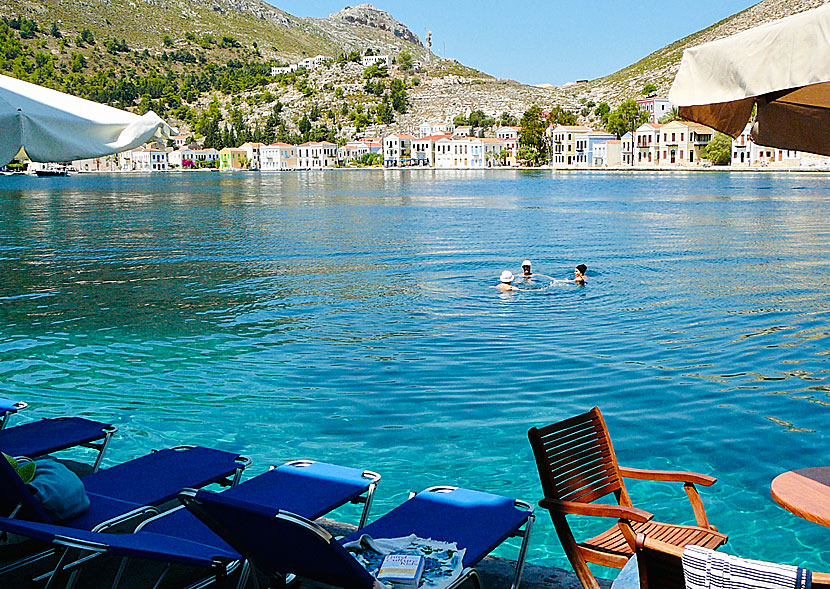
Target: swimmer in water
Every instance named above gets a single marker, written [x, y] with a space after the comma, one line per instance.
[527, 274]
[505, 282]
[579, 274]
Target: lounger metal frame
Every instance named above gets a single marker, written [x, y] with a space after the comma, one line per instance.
[4, 418]
[141, 513]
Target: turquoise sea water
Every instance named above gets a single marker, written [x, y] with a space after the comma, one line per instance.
[351, 317]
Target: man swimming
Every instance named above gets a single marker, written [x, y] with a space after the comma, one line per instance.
[527, 274]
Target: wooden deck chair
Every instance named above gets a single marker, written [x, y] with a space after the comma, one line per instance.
[660, 566]
[577, 466]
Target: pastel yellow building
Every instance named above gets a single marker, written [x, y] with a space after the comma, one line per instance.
[233, 158]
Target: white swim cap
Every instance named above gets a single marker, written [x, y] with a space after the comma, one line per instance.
[525, 263]
[506, 276]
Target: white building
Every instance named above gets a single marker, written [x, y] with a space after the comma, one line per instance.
[647, 144]
[278, 156]
[467, 152]
[427, 129]
[253, 150]
[607, 153]
[313, 62]
[352, 151]
[656, 108]
[149, 159]
[369, 60]
[278, 70]
[317, 154]
[464, 131]
[397, 149]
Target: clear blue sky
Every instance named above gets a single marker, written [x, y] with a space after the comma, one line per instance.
[535, 41]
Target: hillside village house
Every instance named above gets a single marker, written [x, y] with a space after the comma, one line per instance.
[427, 129]
[607, 153]
[310, 63]
[278, 70]
[397, 149]
[180, 140]
[370, 60]
[463, 131]
[316, 155]
[278, 156]
[233, 158]
[656, 108]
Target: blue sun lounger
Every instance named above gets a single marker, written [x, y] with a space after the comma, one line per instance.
[277, 543]
[38, 438]
[178, 537]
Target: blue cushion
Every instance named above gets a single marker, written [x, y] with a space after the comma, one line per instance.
[473, 520]
[59, 490]
[158, 477]
[44, 436]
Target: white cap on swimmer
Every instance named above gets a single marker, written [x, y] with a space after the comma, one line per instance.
[525, 263]
[506, 276]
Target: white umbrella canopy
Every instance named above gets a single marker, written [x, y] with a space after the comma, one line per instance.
[55, 127]
[782, 67]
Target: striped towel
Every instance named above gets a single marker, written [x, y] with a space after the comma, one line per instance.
[706, 569]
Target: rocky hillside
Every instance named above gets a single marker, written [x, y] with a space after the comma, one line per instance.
[660, 67]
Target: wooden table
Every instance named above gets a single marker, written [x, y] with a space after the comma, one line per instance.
[804, 492]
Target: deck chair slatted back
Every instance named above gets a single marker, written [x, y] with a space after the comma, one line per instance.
[575, 459]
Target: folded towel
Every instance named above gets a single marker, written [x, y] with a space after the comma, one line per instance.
[706, 569]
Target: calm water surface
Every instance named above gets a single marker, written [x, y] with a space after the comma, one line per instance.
[351, 317]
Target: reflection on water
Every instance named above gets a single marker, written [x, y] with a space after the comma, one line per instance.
[351, 317]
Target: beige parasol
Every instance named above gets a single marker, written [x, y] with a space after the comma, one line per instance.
[55, 127]
[783, 67]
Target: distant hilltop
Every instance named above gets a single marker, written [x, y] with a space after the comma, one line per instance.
[369, 16]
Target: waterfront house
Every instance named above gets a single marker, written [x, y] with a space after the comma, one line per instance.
[682, 141]
[594, 138]
[443, 152]
[149, 159]
[627, 149]
[647, 144]
[233, 158]
[423, 150]
[509, 135]
[317, 155]
[492, 148]
[570, 144]
[352, 151]
[278, 156]
[656, 107]
[253, 151]
[370, 60]
[188, 157]
[607, 153]
[427, 129]
[397, 149]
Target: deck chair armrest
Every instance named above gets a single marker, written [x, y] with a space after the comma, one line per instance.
[668, 475]
[596, 510]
